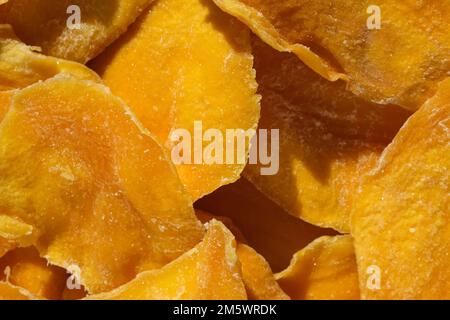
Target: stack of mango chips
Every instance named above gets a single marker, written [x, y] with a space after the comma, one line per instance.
[224, 149]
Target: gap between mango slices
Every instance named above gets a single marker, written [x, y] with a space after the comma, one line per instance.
[400, 63]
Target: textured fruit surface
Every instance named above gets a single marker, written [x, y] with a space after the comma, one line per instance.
[268, 229]
[402, 62]
[210, 271]
[187, 61]
[26, 269]
[324, 270]
[11, 292]
[258, 278]
[46, 23]
[78, 168]
[401, 220]
[22, 65]
[329, 139]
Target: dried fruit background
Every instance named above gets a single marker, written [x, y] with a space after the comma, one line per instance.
[94, 206]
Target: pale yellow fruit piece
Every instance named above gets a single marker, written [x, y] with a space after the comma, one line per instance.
[258, 278]
[210, 271]
[53, 25]
[22, 65]
[324, 270]
[99, 191]
[401, 62]
[268, 229]
[328, 139]
[187, 61]
[401, 220]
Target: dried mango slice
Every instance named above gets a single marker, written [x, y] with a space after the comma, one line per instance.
[400, 63]
[48, 24]
[209, 271]
[258, 278]
[26, 269]
[109, 212]
[21, 65]
[206, 217]
[324, 270]
[271, 231]
[11, 292]
[5, 101]
[401, 219]
[183, 62]
[328, 139]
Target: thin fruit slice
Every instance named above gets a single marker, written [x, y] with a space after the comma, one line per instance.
[329, 139]
[401, 220]
[26, 269]
[54, 26]
[184, 63]
[11, 292]
[210, 271]
[21, 65]
[206, 217]
[268, 229]
[401, 60]
[324, 270]
[258, 278]
[116, 204]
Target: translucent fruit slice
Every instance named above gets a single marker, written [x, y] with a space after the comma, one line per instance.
[116, 204]
[258, 278]
[209, 271]
[26, 269]
[401, 220]
[185, 61]
[324, 270]
[388, 51]
[22, 65]
[328, 139]
[267, 228]
[75, 30]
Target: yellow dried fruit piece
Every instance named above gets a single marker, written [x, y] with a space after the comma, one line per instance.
[182, 62]
[324, 270]
[210, 271]
[21, 65]
[401, 62]
[109, 214]
[258, 278]
[268, 229]
[54, 25]
[401, 219]
[26, 269]
[206, 217]
[5, 101]
[329, 139]
[11, 292]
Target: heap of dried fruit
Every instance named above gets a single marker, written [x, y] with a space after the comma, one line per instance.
[136, 135]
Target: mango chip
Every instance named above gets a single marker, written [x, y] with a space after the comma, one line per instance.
[26, 269]
[257, 276]
[401, 220]
[185, 68]
[267, 228]
[75, 30]
[77, 167]
[325, 270]
[11, 292]
[21, 65]
[329, 139]
[210, 271]
[389, 52]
